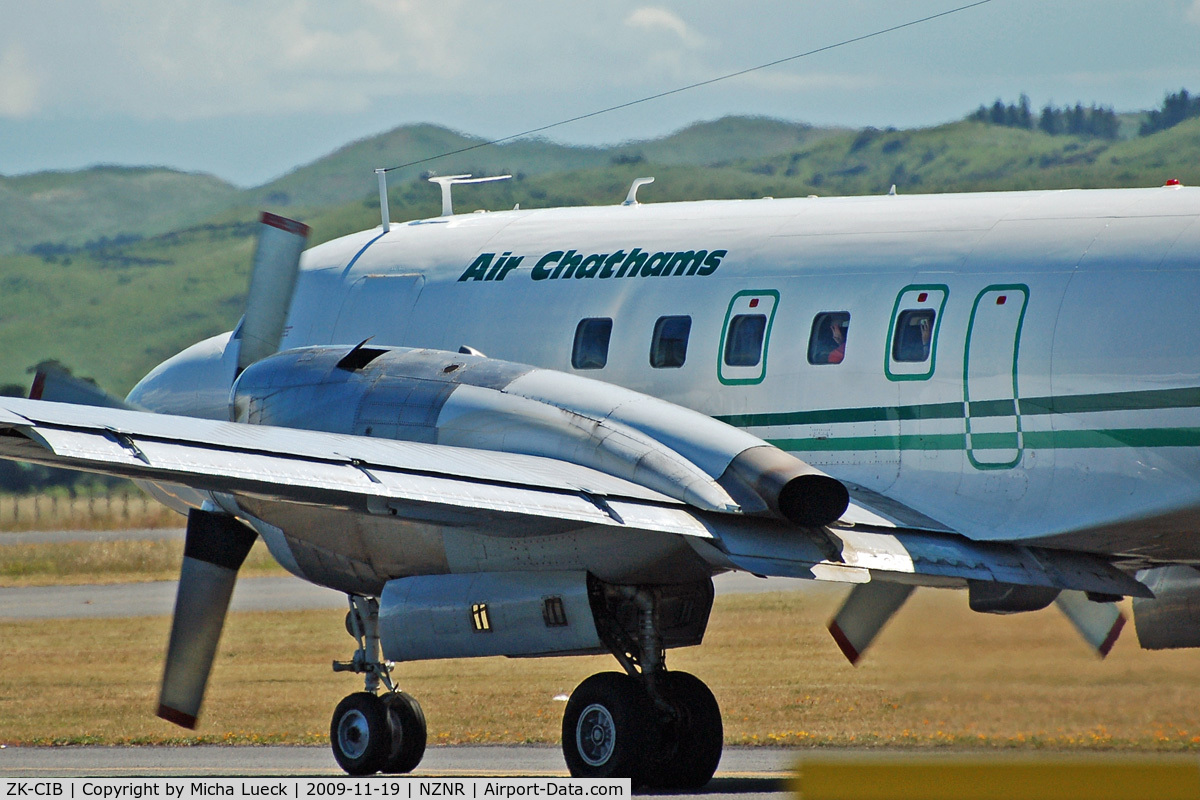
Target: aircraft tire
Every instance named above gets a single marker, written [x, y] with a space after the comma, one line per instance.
[408, 732]
[606, 730]
[689, 748]
[360, 734]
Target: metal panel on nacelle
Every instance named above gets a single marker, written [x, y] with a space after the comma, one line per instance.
[487, 614]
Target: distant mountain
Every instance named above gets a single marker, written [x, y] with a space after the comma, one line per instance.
[728, 140]
[75, 207]
[348, 174]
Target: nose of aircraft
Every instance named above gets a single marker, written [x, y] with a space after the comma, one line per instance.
[194, 383]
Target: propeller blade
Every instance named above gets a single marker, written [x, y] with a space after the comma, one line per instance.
[862, 616]
[1098, 623]
[276, 265]
[215, 547]
[54, 382]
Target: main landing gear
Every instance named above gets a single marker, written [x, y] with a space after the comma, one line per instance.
[371, 732]
[661, 729]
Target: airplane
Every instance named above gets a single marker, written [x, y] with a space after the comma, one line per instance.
[542, 432]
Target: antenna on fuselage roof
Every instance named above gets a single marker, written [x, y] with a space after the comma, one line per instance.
[383, 206]
[446, 181]
[631, 198]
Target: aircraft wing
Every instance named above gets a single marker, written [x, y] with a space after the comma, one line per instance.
[432, 482]
[504, 492]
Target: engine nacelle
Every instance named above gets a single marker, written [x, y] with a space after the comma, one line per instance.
[530, 614]
[519, 613]
[471, 401]
[1172, 618]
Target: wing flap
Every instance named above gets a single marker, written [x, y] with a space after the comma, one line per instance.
[919, 557]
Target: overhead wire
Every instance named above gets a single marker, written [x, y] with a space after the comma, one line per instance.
[690, 86]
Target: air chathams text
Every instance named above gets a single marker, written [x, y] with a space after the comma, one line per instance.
[636, 263]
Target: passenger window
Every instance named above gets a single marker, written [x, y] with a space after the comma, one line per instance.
[591, 343]
[913, 335]
[668, 348]
[827, 342]
[744, 341]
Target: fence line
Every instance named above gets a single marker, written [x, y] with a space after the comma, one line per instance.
[49, 511]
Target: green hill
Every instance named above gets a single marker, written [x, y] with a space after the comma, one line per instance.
[972, 156]
[73, 208]
[348, 173]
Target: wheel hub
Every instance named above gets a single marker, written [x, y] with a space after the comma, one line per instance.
[353, 734]
[596, 735]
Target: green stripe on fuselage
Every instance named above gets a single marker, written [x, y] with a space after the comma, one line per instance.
[1158, 399]
[1030, 406]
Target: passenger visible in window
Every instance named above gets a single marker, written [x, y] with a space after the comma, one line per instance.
[914, 335]
[827, 342]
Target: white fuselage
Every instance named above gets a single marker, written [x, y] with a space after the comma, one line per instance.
[1060, 397]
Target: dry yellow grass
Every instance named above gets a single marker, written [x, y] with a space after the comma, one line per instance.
[51, 512]
[939, 676]
[123, 561]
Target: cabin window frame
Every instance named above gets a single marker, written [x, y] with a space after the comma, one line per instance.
[915, 297]
[590, 348]
[664, 357]
[747, 303]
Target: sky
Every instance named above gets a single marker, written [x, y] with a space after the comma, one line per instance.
[248, 90]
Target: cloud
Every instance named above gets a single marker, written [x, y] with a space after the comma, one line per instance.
[155, 60]
[18, 85]
[660, 19]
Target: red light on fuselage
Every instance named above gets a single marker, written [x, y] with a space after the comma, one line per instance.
[1173, 182]
[754, 303]
[1001, 300]
[922, 297]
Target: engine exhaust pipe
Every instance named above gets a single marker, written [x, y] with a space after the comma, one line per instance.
[789, 487]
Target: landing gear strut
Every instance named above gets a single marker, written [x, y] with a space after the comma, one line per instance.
[370, 732]
[659, 728]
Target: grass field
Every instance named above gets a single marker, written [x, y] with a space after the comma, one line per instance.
[57, 512]
[123, 561]
[938, 677]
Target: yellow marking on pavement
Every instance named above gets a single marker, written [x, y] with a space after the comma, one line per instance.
[923, 777]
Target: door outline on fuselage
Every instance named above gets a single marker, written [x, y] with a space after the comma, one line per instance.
[895, 370]
[993, 409]
[379, 307]
[742, 376]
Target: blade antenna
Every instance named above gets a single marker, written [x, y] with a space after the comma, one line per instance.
[447, 181]
[383, 203]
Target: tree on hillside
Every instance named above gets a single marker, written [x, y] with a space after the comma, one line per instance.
[1094, 121]
[1010, 116]
[1098, 122]
[1175, 109]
